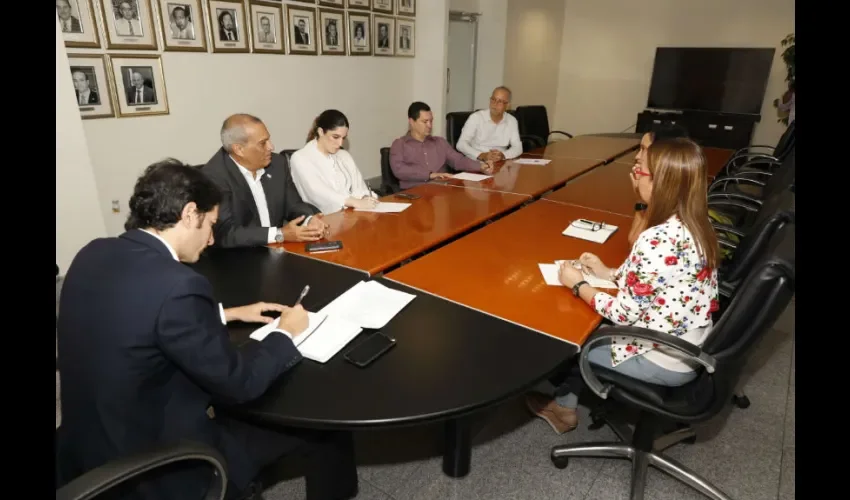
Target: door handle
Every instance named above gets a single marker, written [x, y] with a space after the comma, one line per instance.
[448, 80]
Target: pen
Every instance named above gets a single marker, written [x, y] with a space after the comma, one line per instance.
[303, 294]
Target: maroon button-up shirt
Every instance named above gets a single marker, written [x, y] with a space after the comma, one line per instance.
[413, 161]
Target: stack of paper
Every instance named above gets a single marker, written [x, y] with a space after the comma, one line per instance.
[531, 161]
[468, 176]
[367, 304]
[597, 232]
[550, 276]
[591, 279]
[386, 207]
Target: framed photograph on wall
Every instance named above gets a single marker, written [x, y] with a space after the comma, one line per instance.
[385, 6]
[333, 3]
[139, 84]
[384, 32]
[406, 7]
[182, 24]
[76, 20]
[267, 27]
[405, 37]
[359, 34]
[92, 85]
[228, 29]
[129, 24]
[332, 23]
[360, 4]
[301, 22]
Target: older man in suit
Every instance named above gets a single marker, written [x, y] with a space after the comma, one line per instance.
[139, 93]
[259, 196]
[144, 352]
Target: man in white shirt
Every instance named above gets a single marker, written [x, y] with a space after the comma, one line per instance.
[126, 24]
[492, 134]
[260, 203]
[181, 27]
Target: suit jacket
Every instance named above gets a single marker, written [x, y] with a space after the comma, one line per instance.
[302, 39]
[92, 96]
[147, 95]
[238, 219]
[143, 353]
[222, 35]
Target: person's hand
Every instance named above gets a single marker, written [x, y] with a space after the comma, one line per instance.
[366, 202]
[593, 265]
[569, 275]
[252, 313]
[293, 320]
[318, 222]
[308, 232]
[488, 167]
[484, 156]
[440, 176]
[495, 155]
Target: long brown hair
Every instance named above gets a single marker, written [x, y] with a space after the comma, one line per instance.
[679, 186]
[330, 119]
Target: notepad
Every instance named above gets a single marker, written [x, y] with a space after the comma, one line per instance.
[592, 280]
[550, 274]
[368, 304]
[323, 338]
[584, 229]
[531, 161]
[386, 207]
[468, 176]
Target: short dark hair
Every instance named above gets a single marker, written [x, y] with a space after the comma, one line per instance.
[164, 189]
[416, 108]
[664, 131]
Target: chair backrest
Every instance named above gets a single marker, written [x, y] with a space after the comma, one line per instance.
[786, 142]
[287, 154]
[389, 182]
[759, 301]
[533, 121]
[454, 125]
[783, 177]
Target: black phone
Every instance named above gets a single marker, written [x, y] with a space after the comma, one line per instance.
[369, 349]
[407, 196]
[323, 246]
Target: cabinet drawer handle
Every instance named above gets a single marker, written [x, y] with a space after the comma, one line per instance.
[727, 127]
[712, 126]
[656, 121]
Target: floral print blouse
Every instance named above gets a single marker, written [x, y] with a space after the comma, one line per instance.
[663, 286]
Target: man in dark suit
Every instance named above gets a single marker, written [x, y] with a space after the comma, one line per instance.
[82, 87]
[139, 93]
[301, 35]
[226, 27]
[69, 23]
[144, 352]
[258, 194]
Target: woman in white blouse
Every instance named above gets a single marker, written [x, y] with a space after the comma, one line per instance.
[668, 283]
[324, 173]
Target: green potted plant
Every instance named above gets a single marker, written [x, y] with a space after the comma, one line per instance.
[788, 58]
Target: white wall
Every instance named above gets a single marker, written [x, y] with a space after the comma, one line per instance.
[78, 216]
[492, 37]
[608, 48]
[432, 45]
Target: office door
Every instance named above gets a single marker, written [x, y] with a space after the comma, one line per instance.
[460, 73]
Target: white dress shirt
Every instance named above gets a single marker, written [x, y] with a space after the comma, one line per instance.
[480, 134]
[259, 194]
[124, 27]
[220, 306]
[326, 181]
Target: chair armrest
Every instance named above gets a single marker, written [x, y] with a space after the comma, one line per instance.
[716, 197]
[533, 140]
[769, 161]
[723, 181]
[561, 132]
[747, 149]
[606, 332]
[729, 202]
[101, 479]
[725, 242]
[726, 228]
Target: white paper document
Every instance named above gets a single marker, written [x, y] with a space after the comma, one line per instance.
[368, 304]
[531, 161]
[550, 276]
[323, 338]
[386, 207]
[597, 232]
[591, 279]
[469, 176]
[314, 321]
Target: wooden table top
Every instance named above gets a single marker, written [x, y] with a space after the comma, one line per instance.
[373, 242]
[495, 268]
[531, 180]
[588, 147]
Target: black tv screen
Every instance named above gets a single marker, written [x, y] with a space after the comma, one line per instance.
[719, 80]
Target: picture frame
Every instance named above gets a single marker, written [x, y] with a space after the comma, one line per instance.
[306, 1]
[384, 6]
[405, 39]
[301, 25]
[359, 34]
[93, 85]
[229, 32]
[77, 22]
[360, 4]
[383, 35]
[129, 25]
[406, 8]
[183, 25]
[139, 84]
[337, 4]
[332, 31]
[268, 35]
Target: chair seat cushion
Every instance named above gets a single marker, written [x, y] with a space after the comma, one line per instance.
[690, 400]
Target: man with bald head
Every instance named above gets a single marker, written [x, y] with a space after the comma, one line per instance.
[68, 22]
[85, 94]
[127, 20]
[491, 134]
[138, 92]
[260, 203]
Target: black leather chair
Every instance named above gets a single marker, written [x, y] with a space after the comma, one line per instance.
[287, 154]
[454, 125]
[104, 478]
[752, 156]
[761, 299]
[534, 127]
[389, 182]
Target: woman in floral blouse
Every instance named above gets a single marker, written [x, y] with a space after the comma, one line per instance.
[667, 284]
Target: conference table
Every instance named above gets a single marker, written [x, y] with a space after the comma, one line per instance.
[484, 326]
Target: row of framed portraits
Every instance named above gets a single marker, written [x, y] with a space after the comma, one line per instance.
[118, 84]
[130, 25]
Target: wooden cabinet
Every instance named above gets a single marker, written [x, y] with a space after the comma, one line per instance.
[709, 129]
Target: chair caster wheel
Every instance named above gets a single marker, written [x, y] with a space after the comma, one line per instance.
[742, 402]
[560, 462]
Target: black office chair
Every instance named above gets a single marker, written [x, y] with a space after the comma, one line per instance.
[534, 127]
[107, 476]
[454, 125]
[287, 154]
[389, 182]
[752, 156]
[761, 299]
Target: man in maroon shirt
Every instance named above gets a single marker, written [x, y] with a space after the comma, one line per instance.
[418, 156]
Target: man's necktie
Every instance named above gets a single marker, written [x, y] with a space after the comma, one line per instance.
[138, 96]
[131, 28]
